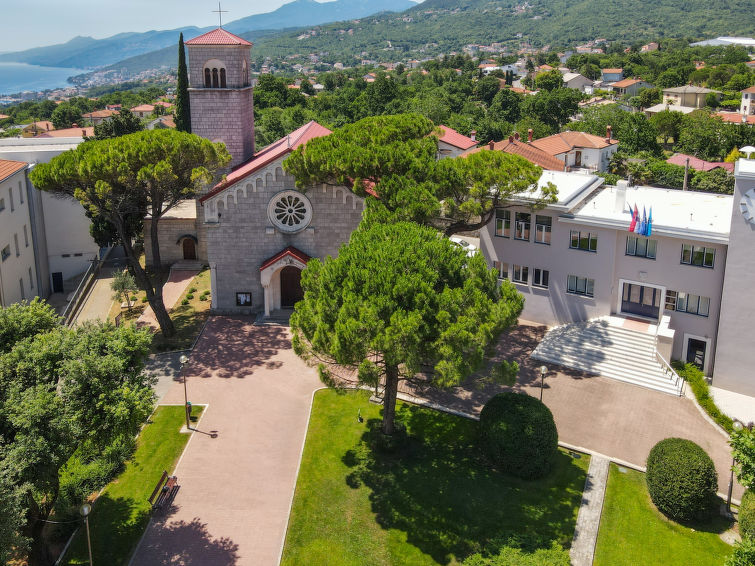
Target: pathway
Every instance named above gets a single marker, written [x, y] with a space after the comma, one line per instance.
[236, 487]
[177, 283]
[619, 420]
[588, 519]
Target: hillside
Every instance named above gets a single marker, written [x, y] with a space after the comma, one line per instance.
[90, 53]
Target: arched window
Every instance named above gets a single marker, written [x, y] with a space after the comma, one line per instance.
[207, 79]
[215, 83]
[222, 78]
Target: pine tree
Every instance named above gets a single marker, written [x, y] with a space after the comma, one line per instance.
[183, 113]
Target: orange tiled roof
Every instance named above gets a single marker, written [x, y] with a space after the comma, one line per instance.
[143, 108]
[736, 117]
[566, 141]
[42, 126]
[614, 71]
[454, 138]
[749, 90]
[8, 168]
[274, 151]
[625, 83]
[68, 133]
[528, 151]
[4, 116]
[218, 36]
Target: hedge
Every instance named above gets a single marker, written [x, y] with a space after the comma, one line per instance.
[747, 514]
[519, 435]
[696, 379]
[681, 479]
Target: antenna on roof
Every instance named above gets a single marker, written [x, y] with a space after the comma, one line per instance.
[220, 15]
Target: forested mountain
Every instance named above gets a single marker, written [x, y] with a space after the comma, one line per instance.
[89, 53]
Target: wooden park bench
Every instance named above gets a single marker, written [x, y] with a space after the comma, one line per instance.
[164, 491]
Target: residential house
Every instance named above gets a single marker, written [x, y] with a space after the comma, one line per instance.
[629, 87]
[18, 270]
[162, 123]
[69, 133]
[688, 95]
[36, 128]
[648, 47]
[99, 116]
[531, 153]
[685, 282]
[578, 82]
[143, 110]
[737, 118]
[699, 164]
[580, 150]
[453, 144]
[611, 75]
[747, 105]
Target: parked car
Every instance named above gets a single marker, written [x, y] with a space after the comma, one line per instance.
[470, 248]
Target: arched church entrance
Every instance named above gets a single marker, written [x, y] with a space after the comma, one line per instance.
[291, 291]
[189, 249]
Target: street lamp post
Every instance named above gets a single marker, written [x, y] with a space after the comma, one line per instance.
[543, 371]
[187, 407]
[85, 510]
[736, 425]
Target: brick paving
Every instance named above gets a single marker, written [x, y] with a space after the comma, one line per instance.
[236, 487]
[619, 420]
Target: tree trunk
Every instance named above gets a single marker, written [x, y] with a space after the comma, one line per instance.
[143, 280]
[166, 324]
[39, 554]
[389, 398]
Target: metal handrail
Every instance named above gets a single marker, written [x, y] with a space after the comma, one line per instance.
[667, 369]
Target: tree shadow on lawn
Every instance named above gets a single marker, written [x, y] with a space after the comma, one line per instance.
[438, 489]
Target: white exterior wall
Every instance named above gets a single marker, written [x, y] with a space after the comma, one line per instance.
[746, 106]
[448, 150]
[18, 275]
[595, 159]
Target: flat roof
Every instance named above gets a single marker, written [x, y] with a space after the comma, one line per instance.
[679, 214]
[184, 210]
[572, 188]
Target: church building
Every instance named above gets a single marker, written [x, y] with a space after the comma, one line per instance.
[254, 229]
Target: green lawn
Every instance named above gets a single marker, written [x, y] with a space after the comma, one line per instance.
[633, 532]
[121, 513]
[433, 502]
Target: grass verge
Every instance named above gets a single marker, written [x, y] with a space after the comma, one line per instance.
[633, 531]
[188, 318]
[121, 513]
[434, 501]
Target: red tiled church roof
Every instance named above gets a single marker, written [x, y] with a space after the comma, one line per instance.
[218, 36]
[271, 153]
[289, 251]
[454, 138]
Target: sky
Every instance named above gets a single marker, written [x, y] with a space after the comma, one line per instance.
[35, 23]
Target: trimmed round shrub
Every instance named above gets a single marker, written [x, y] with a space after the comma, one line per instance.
[681, 479]
[518, 433]
[190, 296]
[747, 514]
[185, 302]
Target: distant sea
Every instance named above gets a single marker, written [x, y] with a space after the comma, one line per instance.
[19, 77]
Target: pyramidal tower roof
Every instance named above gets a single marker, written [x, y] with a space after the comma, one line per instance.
[218, 36]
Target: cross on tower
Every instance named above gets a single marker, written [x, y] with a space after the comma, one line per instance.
[220, 15]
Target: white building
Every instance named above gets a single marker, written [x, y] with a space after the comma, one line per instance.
[580, 150]
[747, 105]
[63, 243]
[576, 261]
[18, 270]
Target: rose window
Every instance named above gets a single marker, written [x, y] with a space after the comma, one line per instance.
[290, 211]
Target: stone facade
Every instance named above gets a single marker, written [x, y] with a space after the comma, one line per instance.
[223, 114]
[240, 235]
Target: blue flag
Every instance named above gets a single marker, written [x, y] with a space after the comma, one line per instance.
[644, 226]
[650, 222]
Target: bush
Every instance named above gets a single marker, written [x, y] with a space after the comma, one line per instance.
[696, 379]
[744, 553]
[193, 290]
[681, 479]
[185, 302]
[190, 296]
[747, 514]
[202, 297]
[518, 434]
[144, 299]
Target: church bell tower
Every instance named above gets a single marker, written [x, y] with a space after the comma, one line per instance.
[220, 92]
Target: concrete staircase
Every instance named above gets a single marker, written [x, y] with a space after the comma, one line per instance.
[604, 347]
[187, 265]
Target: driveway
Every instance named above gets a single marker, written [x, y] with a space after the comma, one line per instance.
[238, 472]
[613, 418]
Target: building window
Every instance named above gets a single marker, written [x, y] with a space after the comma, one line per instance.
[2, 204]
[207, 78]
[583, 241]
[15, 244]
[693, 304]
[543, 229]
[20, 193]
[31, 280]
[521, 274]
[21, 284]
[522, 226]
[641, 247]
[698, 255]
[26, 237]
[10, 195]
[670, 300]
[502, 268]
[215, 81]
[5, 254]
[580, 286]
[503, 223]
[222, 78]
[290, 211]
[540, 278]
